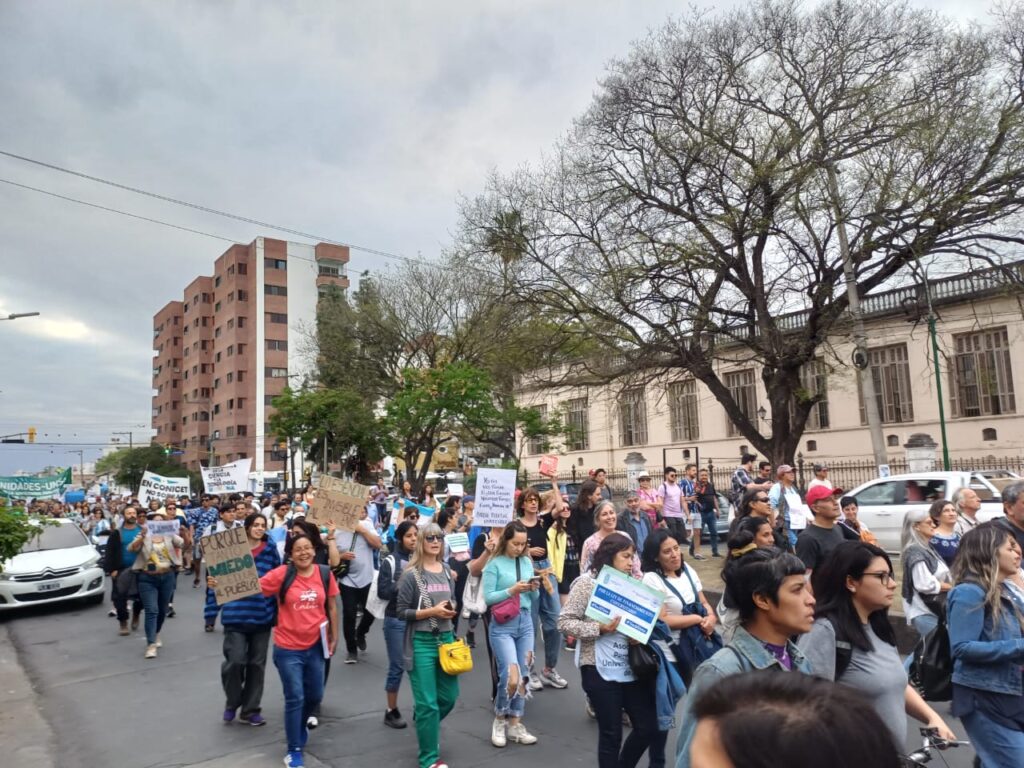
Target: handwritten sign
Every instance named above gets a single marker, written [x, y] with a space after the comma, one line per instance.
[458, 542]
[163, 527]
[229, 560]
[339, 502]
[549, 465]
[495, 497]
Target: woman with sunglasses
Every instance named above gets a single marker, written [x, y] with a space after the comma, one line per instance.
[926, 578]
[852, 641]
[426, 603]
[756, 503]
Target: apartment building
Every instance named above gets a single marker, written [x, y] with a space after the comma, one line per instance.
[980, 324]
[233, 343]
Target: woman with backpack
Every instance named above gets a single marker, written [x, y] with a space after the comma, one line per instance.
[247, 624]
[926, 578]
[986, 639]
[391, 569]
[852, 641]
[307, 609]
[426, 601]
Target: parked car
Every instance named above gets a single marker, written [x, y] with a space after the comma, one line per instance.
[57, 564]
[569, 491]
[885, 501]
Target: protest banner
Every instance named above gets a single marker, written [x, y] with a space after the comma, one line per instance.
[229, 478]
[616, 594]
[495, 497]
[157, 487]
[229, 560]
[339, 502]
[458, 542]
[163, 527]
[549, 465]
[35, 487]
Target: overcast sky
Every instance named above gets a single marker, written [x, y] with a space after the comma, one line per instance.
[362, 122]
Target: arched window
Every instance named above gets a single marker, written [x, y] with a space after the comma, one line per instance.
[892, 440]
[989, 433]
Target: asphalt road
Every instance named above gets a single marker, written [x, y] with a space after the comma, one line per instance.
[108, 706]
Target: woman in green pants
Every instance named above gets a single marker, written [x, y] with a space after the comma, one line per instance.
[426, 603]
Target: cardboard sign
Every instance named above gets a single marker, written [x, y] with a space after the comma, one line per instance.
[339, 502]
[495, 497]
[229, 560]
[157, 487]
[549, 465]
[230, 478]
[163, 527]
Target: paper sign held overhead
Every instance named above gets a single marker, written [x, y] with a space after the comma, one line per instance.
[229, 560]
[339, 502]
[495, 497]
[157, 487]
[163, 527]
[549, 465]
[229, 478]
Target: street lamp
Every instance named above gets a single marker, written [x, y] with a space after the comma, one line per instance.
[16, 315]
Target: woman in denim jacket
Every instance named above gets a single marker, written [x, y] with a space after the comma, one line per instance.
[771, 594]
[986, 637]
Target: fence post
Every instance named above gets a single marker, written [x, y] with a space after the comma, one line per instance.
[800, 470]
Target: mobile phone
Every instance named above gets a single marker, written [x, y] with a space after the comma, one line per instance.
[535, 581]
[448, 605]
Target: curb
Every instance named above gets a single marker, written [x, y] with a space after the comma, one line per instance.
[23, 730]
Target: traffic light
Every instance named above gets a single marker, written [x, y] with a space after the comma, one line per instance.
[167, 450]
[31, 434]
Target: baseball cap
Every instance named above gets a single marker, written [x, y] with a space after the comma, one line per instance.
[467, 499]
[820, 467]
[819, 492]
[783, 469]
[645, 475]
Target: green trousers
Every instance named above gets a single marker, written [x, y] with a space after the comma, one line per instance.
[434, 693]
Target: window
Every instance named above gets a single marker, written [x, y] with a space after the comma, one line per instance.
[268, 399]
[241, 322]
[275, 290]
[577, 417]
[276, 373]
[744, 392]
[242, 269]
[886, 492]
[812, 445]
[204, 392]
[174, 383]
[206, 368]
[231, 323]
[242, 430]
[275, 264]
[242, 295]
[206, 320]
[981, 378]
[893, 441]
[329, 270]
[231, 297]
[216, 333]
[216, 282]
[241, 349]
[241, 376]
[683, 414]
[814, 378]
[277, 317]
[891, 375]
[207, 298]
[240, 402]
[231, 269]
[202, 345]
[217, 357]
[216, 409]
[231, 350]
[231, 404]
[216, 307]
[230, 378]
[229, 432]
[274, 344]
[216, 383]
[989, 433]
[538, 444]
[632, 417]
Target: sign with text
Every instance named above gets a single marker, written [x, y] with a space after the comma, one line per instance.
[339, 502]
[154, 486]
[616, 594]
[495, 497]
[229, 560]
[549, 465]
[163, 527]
[229, 478]
[35, 487]
[458, 542]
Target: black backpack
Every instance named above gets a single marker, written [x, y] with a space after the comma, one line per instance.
[844, 651]
[289, 579]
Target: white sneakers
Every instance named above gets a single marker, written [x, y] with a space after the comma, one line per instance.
[151, 651]
[498, 732]
[520, 735]
[159, 642]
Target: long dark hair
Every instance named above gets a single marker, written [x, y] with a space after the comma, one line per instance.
[507, 534]
[652, 548]
[835, 601]
[609, 547]
[251, 518]
[302, 528]
[400, 531]
[757, 572]
[583, 505]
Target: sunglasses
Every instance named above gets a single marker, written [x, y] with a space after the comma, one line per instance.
[434, 537]
[761, 498]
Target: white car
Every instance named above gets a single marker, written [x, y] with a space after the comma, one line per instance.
[57, 564]
[884, 502]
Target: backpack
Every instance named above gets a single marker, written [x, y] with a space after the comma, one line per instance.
[931, 670]
[844, 651]
[289, 578]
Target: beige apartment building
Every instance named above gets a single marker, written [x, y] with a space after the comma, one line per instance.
[233, 343]
[980, 329]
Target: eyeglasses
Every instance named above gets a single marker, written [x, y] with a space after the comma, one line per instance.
[884, 577]
[433, 537]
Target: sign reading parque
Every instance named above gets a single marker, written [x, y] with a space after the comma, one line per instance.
[229, 560]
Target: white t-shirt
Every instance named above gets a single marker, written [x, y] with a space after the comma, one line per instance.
[360, 570]
[682, 586]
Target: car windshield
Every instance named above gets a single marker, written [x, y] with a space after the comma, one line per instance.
[55, 537]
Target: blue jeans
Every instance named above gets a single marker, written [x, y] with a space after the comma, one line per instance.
[155, 590]
[302, 679]
[995, 745]
[394, 639]
[709, 521]
[545, 611]
[512, 643]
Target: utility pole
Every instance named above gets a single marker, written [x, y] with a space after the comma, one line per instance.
[131, 442]
[861, 361]
[81, 467]
[935, 363]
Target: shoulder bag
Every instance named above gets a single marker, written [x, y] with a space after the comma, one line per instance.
[341, 569]
[508, 608]
[374, 603]
[454, 657]
[643, 661]
[693, 646]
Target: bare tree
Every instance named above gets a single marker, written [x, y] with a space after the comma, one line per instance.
[691, 221]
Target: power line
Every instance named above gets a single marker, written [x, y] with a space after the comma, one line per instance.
[206, 209]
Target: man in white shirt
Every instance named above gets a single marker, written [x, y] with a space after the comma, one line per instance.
[357, 548]
[967, 504]
[820, 477]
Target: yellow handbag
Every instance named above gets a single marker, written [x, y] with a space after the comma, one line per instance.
[455, 657]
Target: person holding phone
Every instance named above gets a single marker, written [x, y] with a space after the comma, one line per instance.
[508, 579]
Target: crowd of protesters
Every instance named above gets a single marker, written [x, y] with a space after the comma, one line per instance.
[806, 590]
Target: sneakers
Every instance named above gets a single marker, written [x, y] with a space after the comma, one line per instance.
[135, 622]
[393, 719]
[209, 628]
[159, 642]
[498, 732]
[294, 760]
[439, 764]
[534, 683]
[471, 639]
[229, 715]
[123, 631]
[590, 710]
[151, 651]
[254, 718]
[170, 611]
[361, 642]
[312, 722]
[112, 613]
[520, 735]
[351, 657]
[699, 556]
[552, 678]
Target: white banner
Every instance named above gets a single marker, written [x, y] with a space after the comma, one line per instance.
[163, 527]
[230, 478]
[158, 487]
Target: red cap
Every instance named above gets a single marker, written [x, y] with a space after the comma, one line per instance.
[819, 492]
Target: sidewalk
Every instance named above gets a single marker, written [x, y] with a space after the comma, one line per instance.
[23, 731]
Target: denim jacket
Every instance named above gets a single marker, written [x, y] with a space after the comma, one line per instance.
[669, 687]
[744, 654]
[985, 657]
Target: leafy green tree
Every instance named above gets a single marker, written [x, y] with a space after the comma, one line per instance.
[15, 530]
